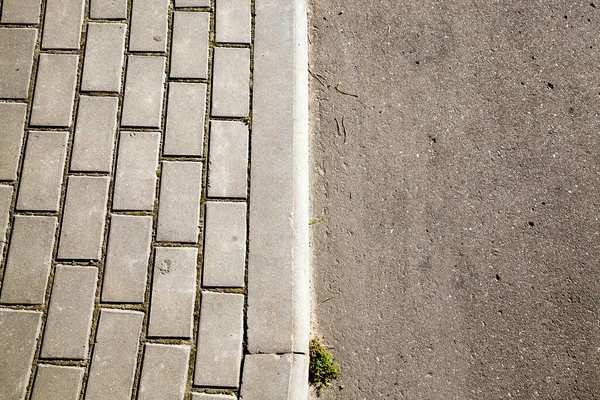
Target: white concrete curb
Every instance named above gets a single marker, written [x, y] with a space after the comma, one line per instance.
[278, 275]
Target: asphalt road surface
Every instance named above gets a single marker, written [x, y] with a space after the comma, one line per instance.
[456, 167]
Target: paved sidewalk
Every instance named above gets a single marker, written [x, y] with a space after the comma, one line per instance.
[153, 213]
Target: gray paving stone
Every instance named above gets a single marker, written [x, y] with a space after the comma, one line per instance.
[208, 396]
[189, 54]
[62, 24]
[224, 245]
[28, 261]
[19, 330]
[108, 9]
[179, 203]
[164, 372]
[115, 353]
[144, 86]
[95, 130]
[228, 159]
[54, 90]
[83, 218]
[12, 116]
[16, 61]
[274, 377]
[220, 335]
[173, 292]
[192, 3]
[43, 169]
[21, 12]
[231, 82]
[233, 20]
[135, 179]
[149, 21]
[70, 313]
[104, 57]
[6, 193]
[185, 119]
[54, 382]
[127, 256]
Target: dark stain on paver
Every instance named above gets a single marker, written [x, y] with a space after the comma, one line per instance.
[165, 267]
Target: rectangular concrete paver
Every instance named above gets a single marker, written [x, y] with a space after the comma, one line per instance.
[192, 3]
[19, 330]
[164, 372]
[6, 193]
[233, 21]
[54, 90]
[144, 87]
[114, 358]
[127, 256]
[82, 230]
[135, 178]
[149, 22]
[185, 119]
[70, 313]
[12, 116]
[28, 261]
[95, 131]
[108, 9]
[16, 61]
[104, 56]
[173, 292]
[231, 82]
[224, 245]
[189, 55]
[20, 12]
[179, 204]
[42, 174]
[220, 335]
[209, 396]
[63, 24]
[57, 382]
[270, 376]
[228, 159]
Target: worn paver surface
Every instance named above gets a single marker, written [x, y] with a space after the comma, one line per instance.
[126, 129]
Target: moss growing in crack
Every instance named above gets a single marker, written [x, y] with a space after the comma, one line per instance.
[323, 368]
[247, 120]
[316, 221]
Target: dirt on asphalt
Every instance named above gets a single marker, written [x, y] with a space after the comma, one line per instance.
[455, 157]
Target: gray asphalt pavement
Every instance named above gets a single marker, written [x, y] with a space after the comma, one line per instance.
[460, 191]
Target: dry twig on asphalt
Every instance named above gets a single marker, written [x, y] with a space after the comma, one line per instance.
[322, 80]
[337, 87]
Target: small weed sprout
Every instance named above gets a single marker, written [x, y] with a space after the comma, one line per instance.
[323, 368]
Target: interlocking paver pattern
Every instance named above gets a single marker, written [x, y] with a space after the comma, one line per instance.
[95, 131]
[115, 354]
[164, 371]
[173, 292]
[220, 336]
[70, 313]
[142, 105]
[135, 179]
[63, 24]
[184, 135]
[19, 332]
[127, 256]
[20, 12]
[16, 60]
[84, 218]
[42, 173]
[54, 90]
[149, 24]
[57, 382]
[189, 55]
[12, 116]
[104, 56]
[124, 200]
[28, 262]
